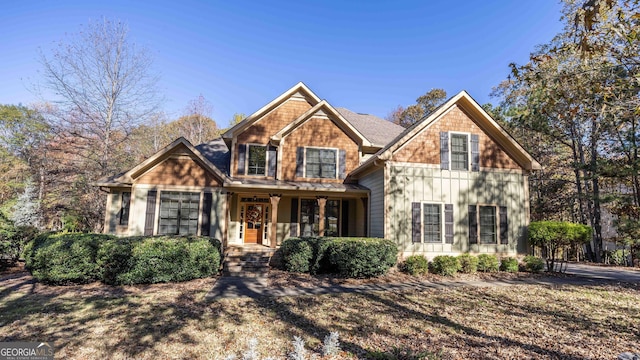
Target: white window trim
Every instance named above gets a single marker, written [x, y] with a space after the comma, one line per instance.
[246, 159]
[442, 227]
[337, 152]
[469, 160]
[497, 223]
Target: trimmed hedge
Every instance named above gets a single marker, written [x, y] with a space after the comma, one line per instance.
[80, 258]
[446, 265]
[416, 265]
[533, 264]
[350, 257]
[509, 264]
[468, 263]
[488, 263]
[64, 258]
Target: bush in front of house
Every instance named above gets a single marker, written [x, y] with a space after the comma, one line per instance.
[416, 265]
[488, 263]
[148, 260]
[362, 257]
[533, 264]
[509, 264]
[350, 257]
[297, 255]
[65, 257]
[468, 263]
[446, 265]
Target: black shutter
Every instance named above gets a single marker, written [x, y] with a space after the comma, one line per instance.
[473, 225]
[293, 225]
[150, 213]
[206, 214]
[504, 226]
[448, 223]
[300, 162]
[242, 150]
[345, 218]
[444, 151]
[475, 152]
[415, 222]
[273, 158]
[343, 164]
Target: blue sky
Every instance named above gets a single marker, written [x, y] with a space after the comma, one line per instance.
[368, 56]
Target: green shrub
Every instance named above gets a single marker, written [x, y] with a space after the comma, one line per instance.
[509, 264]
[64, 258]
[148, 260]
[619, 257]
[468, 263]
[297, 255]
[362, 257]
[533, 264]
[416, 265]
[488, 263]
[445, 265]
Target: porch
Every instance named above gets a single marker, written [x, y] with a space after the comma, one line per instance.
[267, 218]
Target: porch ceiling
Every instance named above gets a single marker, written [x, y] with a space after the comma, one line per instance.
[280, 185]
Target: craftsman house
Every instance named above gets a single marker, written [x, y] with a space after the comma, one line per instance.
[452, 183]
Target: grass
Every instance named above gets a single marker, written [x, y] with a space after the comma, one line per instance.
[175, 321]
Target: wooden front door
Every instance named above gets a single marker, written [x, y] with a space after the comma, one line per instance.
[254, 223]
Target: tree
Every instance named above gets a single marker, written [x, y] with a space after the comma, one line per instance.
[26, 211]
[424, 106]
[555, 238]
[104, 87]
[196, 125]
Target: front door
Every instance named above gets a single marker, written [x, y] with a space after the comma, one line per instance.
[254, 223]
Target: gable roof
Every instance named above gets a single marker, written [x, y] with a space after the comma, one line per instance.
[323, 108]
[127, 178]
[217, 153]
[299, 90]
[485, 121]
[378, 131]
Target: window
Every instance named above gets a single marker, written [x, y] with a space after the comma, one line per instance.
[310, 218]
[432, 222]
[257, 160]
[179, 213]
[124, 208]
[488, 225]
[459, 152]
[320, 163]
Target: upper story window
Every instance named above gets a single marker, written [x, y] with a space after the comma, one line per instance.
[320, 163]
[459, 152]
[257, 160]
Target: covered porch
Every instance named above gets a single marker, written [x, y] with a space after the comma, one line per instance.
[267, 214]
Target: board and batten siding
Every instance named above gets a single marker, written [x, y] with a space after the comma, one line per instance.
[413, 183]
[375, 182]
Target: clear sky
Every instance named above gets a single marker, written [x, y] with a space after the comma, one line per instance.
[368, 56]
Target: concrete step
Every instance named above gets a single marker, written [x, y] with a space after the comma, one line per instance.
[245, 267]
[250, 274]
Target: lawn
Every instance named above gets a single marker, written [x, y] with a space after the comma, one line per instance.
[175, 321]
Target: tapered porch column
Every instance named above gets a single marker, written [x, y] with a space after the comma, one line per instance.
[322, 204]
[273, 231]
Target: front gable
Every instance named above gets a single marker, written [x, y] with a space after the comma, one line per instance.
[425, 146]
[179, 168]
[179, 163]
[486, 144]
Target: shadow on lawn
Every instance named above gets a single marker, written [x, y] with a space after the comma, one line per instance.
[140, 320]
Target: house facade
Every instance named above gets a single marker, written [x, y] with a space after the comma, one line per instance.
[452, 183]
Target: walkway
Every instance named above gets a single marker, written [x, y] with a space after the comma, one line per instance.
[233, 287]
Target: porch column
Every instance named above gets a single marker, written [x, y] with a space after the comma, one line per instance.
[322, 204]
[273, 231]
[227, 219]
[365, 205]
